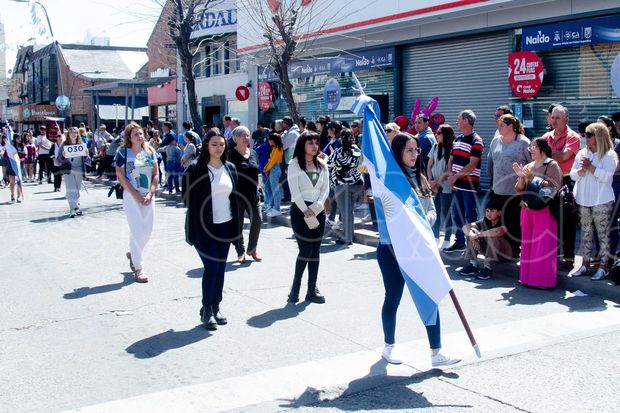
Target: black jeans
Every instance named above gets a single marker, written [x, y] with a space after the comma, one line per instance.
[567, 227]
[45, 164]
[213, 252]
[309, 243]
[256, 220]
[57, 177]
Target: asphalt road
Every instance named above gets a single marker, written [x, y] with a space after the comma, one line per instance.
[76, 333]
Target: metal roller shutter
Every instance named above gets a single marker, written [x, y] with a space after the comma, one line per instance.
[469, 73]
[578, 78]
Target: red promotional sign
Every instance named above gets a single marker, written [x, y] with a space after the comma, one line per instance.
[242, 93]
[525, 74]
[264, 96]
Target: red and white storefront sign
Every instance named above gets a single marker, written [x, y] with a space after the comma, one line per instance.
[264, 96]
[525, 74]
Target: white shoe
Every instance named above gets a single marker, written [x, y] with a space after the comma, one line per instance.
[273, 213]
[338, 226]
[441, 360]
[581, 271]
[389, 356]
[329, 222]
[598, 275]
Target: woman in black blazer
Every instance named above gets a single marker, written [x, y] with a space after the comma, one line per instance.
[209, 186]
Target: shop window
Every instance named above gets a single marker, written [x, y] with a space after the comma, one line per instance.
[197, 64]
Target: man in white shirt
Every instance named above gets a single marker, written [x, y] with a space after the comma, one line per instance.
[289, 140]
[100, 137]
[43, 149]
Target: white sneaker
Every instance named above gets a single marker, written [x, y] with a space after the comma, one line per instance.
[329, 222]
[273, 213]
[441, 360]
[599, 274]
[581, 271]
[389, 356]
[338, 226]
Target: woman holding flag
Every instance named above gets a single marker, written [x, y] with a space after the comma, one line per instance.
[406, 150]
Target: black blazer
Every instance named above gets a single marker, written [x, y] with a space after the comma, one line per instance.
[197, 198]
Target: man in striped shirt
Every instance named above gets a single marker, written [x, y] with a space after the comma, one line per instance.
[464, 165]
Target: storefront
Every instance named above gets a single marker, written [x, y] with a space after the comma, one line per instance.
[30, 116]
[375, 70]
[577, 56]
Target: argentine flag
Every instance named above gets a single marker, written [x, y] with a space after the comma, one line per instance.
[400, 213]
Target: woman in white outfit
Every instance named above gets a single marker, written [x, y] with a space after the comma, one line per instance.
[73, 180]
[137, 172]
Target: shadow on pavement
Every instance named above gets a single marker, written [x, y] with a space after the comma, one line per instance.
[400, 395]
[521, 295]
[128, 278]
[365, 256]
[168, 340]
[195, 273]
[290, 310]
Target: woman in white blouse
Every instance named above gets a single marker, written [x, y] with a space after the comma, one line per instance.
[593, 173]
[308, 180]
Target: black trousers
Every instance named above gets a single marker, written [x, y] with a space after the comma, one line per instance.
[567, 227]
[45, 164]
[253, 210]
[213, 252]
[511, 218]
[309, 243]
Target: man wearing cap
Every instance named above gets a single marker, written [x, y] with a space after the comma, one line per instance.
[43, 148]
[564, 144]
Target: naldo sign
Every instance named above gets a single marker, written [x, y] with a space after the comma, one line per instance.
[221, 18]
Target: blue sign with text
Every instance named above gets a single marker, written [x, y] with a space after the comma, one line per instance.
[353, 62]
[331, 94]
[571, 34]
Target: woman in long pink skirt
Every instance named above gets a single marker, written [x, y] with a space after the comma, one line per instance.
[538, 266]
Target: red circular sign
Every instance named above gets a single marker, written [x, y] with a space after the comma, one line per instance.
[264, 96]
[242, 93]
[525, 73]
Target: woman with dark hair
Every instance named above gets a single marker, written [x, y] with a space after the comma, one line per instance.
[538, 267]
[273, 172]
[209, 186]
[406, 150]
[189, 152]
[437, 171]
[31, 156]
[346, 181]
[138, 174]
[308, 180]
[332, 130]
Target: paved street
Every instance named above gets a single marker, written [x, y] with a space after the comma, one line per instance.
[77, 334]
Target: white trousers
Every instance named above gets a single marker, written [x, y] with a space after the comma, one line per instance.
[140, 218]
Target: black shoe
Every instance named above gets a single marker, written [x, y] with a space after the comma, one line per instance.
[343, 242]
[219, 318]
[455, 248]
[293, 298]
[78, 212]
[208, 320]
[470, 270]
[315, 297]
[484, 274]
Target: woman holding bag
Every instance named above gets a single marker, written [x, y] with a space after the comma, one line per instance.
[308, 180]
[137, 172]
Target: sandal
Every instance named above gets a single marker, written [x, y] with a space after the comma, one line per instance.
[241, 259]
[140, 277]
[255, 256]
[128, 255]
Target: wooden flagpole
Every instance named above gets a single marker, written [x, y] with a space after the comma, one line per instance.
[470, 334]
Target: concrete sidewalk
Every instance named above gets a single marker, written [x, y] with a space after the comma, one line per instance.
[367, 235]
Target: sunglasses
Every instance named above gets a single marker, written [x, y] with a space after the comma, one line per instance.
[439, 132]
[589, 134]
[387, 130]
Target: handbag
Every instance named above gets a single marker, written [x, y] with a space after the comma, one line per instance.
[537, 196]
[64, 167]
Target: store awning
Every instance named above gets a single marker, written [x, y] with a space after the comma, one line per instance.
[129, 84]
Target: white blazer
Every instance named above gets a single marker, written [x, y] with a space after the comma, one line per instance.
[303, 191]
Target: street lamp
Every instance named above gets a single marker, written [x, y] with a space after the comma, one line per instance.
[64, 111]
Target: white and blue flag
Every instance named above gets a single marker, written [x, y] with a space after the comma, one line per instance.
[402, 221]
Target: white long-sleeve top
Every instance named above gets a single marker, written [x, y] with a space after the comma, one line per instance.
[303, 191]
[594, 188]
